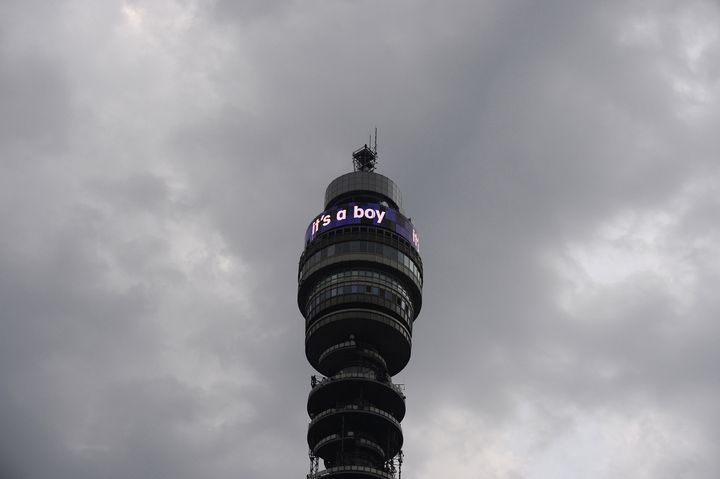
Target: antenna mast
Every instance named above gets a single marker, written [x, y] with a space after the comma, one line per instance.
[365, 158]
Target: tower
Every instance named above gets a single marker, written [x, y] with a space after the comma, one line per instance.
[360, 289]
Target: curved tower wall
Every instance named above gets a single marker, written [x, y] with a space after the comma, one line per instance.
[360, 290]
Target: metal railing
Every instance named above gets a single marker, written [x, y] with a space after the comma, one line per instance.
[371, 471]
[317, 382]
[354, 408]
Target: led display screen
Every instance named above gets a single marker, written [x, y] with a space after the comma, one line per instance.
[363, 214]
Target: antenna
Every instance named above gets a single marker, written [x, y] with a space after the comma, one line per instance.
[365, 158]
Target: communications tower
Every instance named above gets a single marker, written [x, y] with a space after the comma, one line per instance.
[360, 290]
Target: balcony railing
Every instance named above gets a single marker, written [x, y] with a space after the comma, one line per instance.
[359, 438]
[371, 471]
[317, 382]
[354, 408]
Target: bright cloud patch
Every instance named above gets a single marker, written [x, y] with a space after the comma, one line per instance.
[641, 247]
[690, 39]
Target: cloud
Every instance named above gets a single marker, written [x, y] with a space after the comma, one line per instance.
[160, 161]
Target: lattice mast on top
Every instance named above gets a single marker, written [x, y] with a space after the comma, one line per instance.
[365, 158]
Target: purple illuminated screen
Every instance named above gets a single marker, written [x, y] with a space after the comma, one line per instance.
[363, 214]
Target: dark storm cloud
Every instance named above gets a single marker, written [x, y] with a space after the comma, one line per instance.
[161, 160]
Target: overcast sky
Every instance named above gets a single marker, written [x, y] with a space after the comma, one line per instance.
[160, 161]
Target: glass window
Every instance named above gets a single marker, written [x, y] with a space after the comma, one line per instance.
[361, 247]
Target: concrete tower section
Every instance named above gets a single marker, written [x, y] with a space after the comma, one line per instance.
[360, 290]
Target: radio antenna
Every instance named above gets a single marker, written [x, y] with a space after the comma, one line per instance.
[365, 158]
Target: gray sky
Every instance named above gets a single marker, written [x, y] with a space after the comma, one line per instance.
[160, 160]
